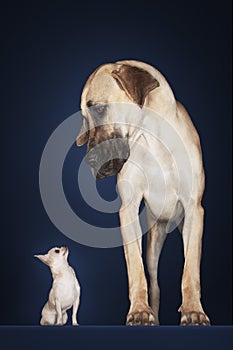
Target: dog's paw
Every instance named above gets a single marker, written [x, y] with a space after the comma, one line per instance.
[194, 318]
[59, 322]
[75, 324]
[141, 317]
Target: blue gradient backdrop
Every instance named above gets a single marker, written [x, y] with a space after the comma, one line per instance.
[48, 51]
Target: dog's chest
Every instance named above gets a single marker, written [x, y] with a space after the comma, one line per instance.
[65, 290]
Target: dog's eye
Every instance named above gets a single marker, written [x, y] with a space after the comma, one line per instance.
[57, 251]
[98, 112]
[99, 109]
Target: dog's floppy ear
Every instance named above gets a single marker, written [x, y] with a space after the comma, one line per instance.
[136, 82]
[83, 134]
[44, 258]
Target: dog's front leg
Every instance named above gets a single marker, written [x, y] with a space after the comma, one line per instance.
[75, 309]
[191, 309]
[59, 313]
[139, 313]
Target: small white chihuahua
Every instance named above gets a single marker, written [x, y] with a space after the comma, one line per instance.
[65, 291]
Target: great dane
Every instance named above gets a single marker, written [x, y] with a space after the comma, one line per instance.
[135, 128]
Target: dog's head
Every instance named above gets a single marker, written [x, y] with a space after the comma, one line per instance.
[111, 94]
[56, 257]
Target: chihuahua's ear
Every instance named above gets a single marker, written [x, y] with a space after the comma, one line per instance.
[44, 258]
[66, 253]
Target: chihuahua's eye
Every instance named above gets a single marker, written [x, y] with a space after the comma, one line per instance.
[57, 251]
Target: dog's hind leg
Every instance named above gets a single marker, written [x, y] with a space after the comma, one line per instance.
[155, 239]
[59, 312]
[64, 317]
[48, 316]
[180, 226]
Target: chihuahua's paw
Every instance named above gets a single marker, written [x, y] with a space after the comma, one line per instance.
[75, 324]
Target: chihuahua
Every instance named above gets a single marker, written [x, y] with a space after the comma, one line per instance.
[65, 291]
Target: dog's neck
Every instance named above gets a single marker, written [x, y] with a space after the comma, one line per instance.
[58, 271]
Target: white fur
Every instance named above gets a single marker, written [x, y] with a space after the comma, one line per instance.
[65, 291]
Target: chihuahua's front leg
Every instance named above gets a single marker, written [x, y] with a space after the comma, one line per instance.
[59, 313]
[75, 309]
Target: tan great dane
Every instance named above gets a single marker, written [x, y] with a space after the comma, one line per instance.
[135, 128]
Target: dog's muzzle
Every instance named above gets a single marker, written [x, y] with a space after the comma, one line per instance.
[108, 157]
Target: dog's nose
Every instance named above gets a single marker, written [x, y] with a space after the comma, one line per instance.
[91, 159]
[92, 162]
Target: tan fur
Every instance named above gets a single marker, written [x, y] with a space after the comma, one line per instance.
[185, 192]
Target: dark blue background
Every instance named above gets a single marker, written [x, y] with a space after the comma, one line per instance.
[48, 51]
